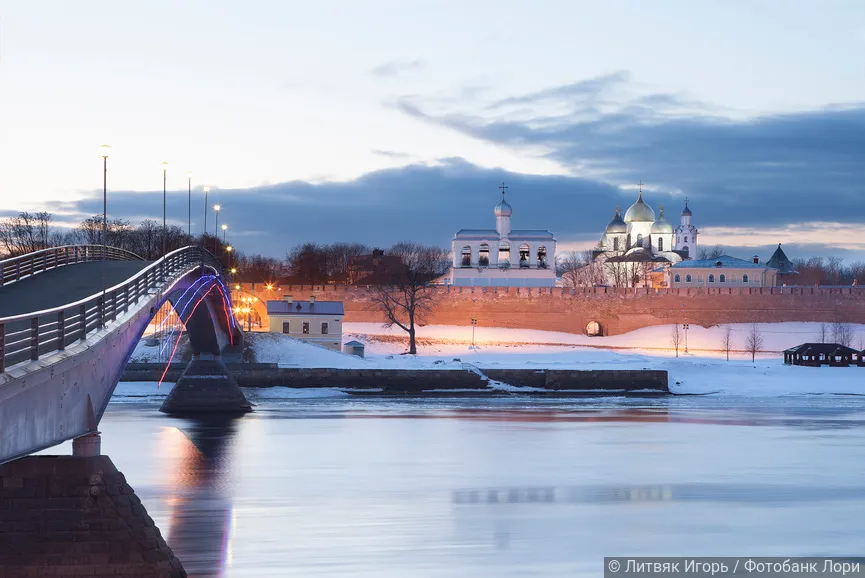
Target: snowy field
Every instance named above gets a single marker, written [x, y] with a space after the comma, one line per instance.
[703, 370]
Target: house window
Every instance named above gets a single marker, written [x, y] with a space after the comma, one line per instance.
[688, 278]
[467, 256]
[524, 255]
[286, 327]
[324, 328]
[722, 278]
[660, 243]
[306, 327]
[542, 257]
[677, 279]
[745, 278]
[484, 255]
[711, 278]
[615, 243]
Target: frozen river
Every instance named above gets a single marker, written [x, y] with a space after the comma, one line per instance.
[338, 486]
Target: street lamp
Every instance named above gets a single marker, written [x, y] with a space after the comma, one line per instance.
[224, 229]
[189, 205]
[685, 326]
[474, 324]
[164, 198]
[216, 209]
[229, 249]
[104, 150]
[204, 232]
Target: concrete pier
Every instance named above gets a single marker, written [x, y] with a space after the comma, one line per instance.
[77, 516]
[206, 387]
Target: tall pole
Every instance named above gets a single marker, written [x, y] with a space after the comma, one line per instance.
[189, 207]
[104, 227]
[164, 199]
[216, 208]
[204, 232]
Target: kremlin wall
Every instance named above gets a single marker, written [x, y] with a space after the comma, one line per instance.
[617, 310]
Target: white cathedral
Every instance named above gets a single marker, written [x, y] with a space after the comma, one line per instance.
[504, 257]
[640, 241]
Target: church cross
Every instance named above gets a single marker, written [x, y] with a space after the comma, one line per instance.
[503, 187]
[641, 186]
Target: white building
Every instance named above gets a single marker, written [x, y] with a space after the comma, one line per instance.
[725, 271]
[317, 322]
[504, 257]
[640, 244]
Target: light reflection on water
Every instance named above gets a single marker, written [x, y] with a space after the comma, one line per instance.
[494, 487]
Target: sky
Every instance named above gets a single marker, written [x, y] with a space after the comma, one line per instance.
[383, 121]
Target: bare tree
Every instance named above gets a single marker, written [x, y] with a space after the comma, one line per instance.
[580, 269]
[676, 337]
[408, 302]
[727, 341]
[754, 342]
[707, 253]
[25, 233]
[842, 334]
[823, 333]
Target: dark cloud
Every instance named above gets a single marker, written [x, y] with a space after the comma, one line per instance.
[422, 203]
[396, 67]
[771, 170]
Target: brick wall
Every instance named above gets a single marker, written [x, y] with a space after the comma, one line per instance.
[617, 310]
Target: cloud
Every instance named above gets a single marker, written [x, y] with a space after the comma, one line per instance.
[763, 171]
[392, 154]
[396, 67]
[428, 203]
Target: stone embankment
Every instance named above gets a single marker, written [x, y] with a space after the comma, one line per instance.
[466, 379]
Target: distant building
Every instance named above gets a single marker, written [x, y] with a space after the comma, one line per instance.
[779, 261]
[318, 322]
[375, 269]
[817, 354]
[725, 271]
[503, 257]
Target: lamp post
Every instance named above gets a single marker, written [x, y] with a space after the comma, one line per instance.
[685, 327]
[224, 229]
[474, 324]
[204, 232]
[104, 149]
[228, 250]
[164, 199]
[189, 205]
[216, 208]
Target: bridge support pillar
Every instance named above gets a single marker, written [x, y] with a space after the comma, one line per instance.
[87, 446]
[206, 387]
[71, 516]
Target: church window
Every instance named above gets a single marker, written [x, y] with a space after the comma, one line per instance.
[542, 257]
[484, 255]
[685, 250]
[678, 278]
[504, 254]
[660, 243]
[467, 256]
[745, 278]
[615, 243]
[686, 239]
[628, 243]
[711, 278]
[688, 278]
[722, 278]
[524, 255]
[639, 240]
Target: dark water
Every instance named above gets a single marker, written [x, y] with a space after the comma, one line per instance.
[490, 488]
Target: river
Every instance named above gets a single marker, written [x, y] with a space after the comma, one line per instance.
[516, 486]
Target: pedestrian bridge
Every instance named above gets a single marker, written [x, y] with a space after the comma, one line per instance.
[70, 318]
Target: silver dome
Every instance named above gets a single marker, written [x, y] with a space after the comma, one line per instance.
[640, 212]
[661, 226]
[503, 209]
[617, 225]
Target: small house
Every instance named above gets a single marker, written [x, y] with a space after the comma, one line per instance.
[354, 348]
[817, 354]
[314, 321]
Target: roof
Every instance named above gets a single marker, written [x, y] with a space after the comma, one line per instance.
[825, 348]
[779, 261]
[514, 235]
[640, 212]
[305, 308]
[355, 343]
[722, 262]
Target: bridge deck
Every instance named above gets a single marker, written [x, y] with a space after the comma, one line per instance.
[63, 285]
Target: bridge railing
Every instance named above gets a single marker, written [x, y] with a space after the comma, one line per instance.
[31, 335]
[23, 266]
